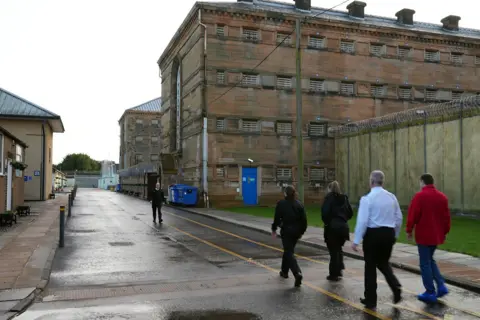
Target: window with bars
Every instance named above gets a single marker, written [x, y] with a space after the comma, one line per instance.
[284, 127]
[139, 138]
[220, 124]
[154, 139]
[250, 125]
[347, 46]
[284, 82]
[477, 59]
[377, 90]
[316, 85]
[317, 174]
[154, 157]
[221, 77]
[250, 34]
[221, 31]
[138, 158]
[456, 95]
[403, 52]
[317, 129]
[250, 79]
[431, 55]
[347, 88]
[330, 174]
[377, 49]
[430, 94]
[154, 122]
[457, 58]
[405, 93]
[285, 37]
[284, 173]
[139, 121]
[316, 42]
[220, 172]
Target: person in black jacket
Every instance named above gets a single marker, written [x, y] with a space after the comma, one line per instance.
[336, 211]
[157, 198]
[291, 217]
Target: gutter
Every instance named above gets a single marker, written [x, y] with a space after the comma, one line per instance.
[205, 115]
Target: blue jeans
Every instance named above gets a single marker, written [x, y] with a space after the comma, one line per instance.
[429, 268]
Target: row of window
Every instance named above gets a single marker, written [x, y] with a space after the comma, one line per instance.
[315, 129]
[285, 174]
[142, 138]
[153, 122]
[348, 46]
[139, 158]
[346, 87]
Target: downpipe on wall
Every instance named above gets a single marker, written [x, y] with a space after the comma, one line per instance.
[205, 116]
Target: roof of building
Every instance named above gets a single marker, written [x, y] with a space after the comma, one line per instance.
[13, 106]
[12, 136]
[152, 106]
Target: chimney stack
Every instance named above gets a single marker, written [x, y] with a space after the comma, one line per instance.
[451, 23]
[405, 16]
[357, 9]
[305, 5]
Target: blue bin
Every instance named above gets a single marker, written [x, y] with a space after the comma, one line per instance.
[190, 195]
[176, 193]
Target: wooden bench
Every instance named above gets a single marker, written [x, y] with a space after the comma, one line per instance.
[51, 196]
[23, 210]
[8, 218]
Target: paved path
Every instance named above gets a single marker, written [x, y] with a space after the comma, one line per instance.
[460, 269]
[26, 254]
[118, 264]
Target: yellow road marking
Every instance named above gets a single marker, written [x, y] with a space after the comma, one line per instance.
[308, 259]
[426, 314]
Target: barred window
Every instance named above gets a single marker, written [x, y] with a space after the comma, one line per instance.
[377, 49]
[220, 124]
[250, 34]
[139, 138]
[284, 82]
[403, 52]
[317, 129]
[284, 127]
[405, 93]
[221, 77]
[317, 174]
[250, 79]
[220, 172]
[456, 95]
[430, 94]
[154, 139]
[477, 59]
[347, 88]
[457, 58]
[347, 46]
[316, 42]
[330, 174]
[285, 37]
[154, 121]
[377, 90]
[221, 31]
[154, 157]
[431, 55]
[139, 121]
[284, 173]
[250, 125]
[316, 85]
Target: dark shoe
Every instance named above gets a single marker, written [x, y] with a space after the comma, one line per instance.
[154, 221]
[298, 280]
[397, 296]
[333, 278]
[283, 275]
[160, 221]
[367, 304]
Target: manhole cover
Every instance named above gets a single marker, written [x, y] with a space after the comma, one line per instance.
[212, 315]
[121, 244]
[82, 231]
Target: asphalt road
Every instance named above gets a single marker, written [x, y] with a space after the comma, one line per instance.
[117, 264]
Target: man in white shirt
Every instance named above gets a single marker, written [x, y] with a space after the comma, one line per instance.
[379, 222]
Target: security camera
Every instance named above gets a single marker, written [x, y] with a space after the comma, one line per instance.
[250, 160]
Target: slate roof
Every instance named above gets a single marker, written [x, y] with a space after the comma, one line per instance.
[150, 106]
[13, 105]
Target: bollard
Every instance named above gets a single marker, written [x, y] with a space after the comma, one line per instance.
[69, 205]
[62, 227]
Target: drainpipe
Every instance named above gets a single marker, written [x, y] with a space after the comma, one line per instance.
[42, 173]
[205, 115]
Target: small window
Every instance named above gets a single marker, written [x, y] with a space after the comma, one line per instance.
[347, 88]
[138, 138]
[138, 158]
[457, 58]
[377, 90]
[377, 49]
[221, 77]
[317, 174]
[317, 129]
[284, 127]
[403, 52]
[284, 82]
[456, 95]
[250, 34]
[284, 174]
[430, 94]
[316, 42]
[284, 38]
[431, 55]
[250, 79]
[18, 153]
[220, 31]
[139, 121]
[330, 174]
[154, 139]
[477, 59]
[220, 172]
[220, 124]
[154, 122]
[250, 126]
[347, 46]
[316, 85]
[154, 157]
[405, 93]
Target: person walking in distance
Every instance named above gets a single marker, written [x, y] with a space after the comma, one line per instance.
[157, 198]
[336, 211]
[379, 222]
[290, 216]
[429, 216]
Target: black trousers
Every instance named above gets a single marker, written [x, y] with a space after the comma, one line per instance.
[377, 248]
[156, 208]
[288, 260]
[335, 243]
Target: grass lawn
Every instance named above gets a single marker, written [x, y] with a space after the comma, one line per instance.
[464, 236]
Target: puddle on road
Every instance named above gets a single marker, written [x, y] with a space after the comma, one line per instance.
[212, 315]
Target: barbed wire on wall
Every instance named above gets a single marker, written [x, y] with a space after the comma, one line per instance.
[434, 112]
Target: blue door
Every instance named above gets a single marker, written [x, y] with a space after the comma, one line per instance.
[249, 186]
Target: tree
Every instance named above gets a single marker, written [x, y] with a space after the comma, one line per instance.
[80, 162]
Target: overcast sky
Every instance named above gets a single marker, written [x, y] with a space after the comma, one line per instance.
[90, 60]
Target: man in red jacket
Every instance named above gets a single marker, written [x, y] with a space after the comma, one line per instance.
[429, 215]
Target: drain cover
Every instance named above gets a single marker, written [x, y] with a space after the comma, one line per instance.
[121, 244]
[212, 315]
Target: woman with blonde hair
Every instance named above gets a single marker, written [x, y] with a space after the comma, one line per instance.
[336, 211]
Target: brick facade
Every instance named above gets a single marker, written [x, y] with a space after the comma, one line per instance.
[350, 71]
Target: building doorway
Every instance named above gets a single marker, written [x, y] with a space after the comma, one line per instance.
[9, 185]
[249, 186]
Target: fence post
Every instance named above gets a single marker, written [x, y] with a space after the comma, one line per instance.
[62, 227]
[69, 205]
[462, 188]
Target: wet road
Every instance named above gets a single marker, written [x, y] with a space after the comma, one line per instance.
[116, 264]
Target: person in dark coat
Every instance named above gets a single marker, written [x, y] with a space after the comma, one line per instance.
[291, 217]
[336, 211]
[157, 198]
